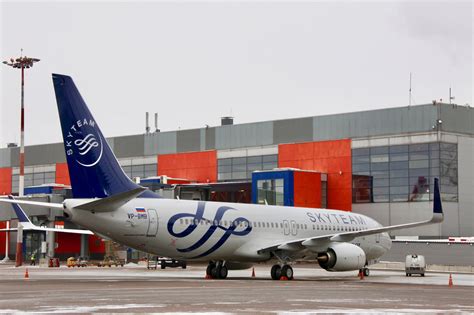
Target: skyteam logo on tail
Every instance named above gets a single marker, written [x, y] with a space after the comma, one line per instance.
[238, 227]
[84, 143]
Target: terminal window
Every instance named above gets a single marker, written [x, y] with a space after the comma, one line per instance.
[270, 191]
[241, 168]
[142, 170]
[404, 173]
[32, 178]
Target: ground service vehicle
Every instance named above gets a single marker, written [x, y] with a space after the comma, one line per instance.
[415, 264]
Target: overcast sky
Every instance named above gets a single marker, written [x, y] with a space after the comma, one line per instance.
[194, 62]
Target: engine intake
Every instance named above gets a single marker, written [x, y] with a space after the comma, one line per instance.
[342, 257]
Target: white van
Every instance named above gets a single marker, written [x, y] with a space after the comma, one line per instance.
[415, 264]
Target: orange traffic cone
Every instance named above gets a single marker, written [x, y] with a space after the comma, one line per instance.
[361, 275]
[283, 278]
[27, 276]
[253, 272]
[450, 282]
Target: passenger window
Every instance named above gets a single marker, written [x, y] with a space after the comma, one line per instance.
[272, 224]
[180, 221]
[268, 225]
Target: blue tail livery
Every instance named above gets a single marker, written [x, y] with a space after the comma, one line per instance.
[93, 168]
[22, 217]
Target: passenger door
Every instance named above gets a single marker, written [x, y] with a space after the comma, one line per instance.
[152, 223]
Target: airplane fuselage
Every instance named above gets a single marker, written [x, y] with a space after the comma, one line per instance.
[205, 231]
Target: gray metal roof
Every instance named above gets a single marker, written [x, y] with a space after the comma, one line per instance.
[372, 123]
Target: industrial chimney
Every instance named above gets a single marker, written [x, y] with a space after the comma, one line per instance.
[156, 123]
[147, 128]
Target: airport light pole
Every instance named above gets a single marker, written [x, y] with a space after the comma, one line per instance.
[22, 63]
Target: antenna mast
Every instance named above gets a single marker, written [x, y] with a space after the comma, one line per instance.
[409, 93]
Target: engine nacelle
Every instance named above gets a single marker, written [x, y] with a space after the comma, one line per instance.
[342, 257]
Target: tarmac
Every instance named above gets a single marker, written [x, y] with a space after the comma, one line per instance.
[133, 288]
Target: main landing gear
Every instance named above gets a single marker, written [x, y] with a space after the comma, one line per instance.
[365, 271]
[217, 270]
[277, 272]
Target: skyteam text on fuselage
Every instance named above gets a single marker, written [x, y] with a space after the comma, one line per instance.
[226, 235]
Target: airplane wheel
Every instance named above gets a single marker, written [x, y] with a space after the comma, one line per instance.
[275, 272]
[287, 271]
[215, 272]
[366, 272]
[223, 272]
[209, 269]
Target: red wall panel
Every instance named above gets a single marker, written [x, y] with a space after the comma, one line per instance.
[96, 245]
[3, 235]
[307, 189]
[62, 174]
[68, 243]
[330, 157]
[196, 166]
[5, 180]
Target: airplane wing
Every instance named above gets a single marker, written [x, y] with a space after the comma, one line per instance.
[32, 227]
[28, 225]
[323, 240]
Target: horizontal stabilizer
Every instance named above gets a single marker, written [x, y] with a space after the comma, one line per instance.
[27, 225]
[34, 203]
[111, 203]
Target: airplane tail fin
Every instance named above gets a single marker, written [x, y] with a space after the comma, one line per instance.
[93, 168]
[21, 215]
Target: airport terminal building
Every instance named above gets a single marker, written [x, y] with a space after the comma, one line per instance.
[380, 163]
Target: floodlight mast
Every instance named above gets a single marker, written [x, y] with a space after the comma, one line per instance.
[22, 63]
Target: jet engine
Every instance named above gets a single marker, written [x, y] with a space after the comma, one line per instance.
[342, 257]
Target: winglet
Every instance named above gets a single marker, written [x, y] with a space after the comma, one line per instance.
[22, 217]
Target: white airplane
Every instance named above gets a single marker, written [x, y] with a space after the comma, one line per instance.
[228, 236]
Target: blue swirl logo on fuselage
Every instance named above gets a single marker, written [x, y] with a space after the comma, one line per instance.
[197, 218]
